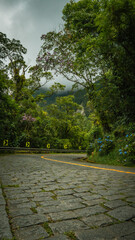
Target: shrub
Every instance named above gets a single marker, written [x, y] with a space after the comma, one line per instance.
[90, 149]
[127, 150]
[104, 146]
[96, 132]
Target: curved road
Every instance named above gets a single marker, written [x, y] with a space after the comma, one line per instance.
[58, 197]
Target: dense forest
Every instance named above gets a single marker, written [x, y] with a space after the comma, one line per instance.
[95, 50]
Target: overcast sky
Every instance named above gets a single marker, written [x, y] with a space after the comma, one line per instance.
[27, 20]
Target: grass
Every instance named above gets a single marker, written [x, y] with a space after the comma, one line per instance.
[110, 159]
[54, 197]
[34, 210]
[43, 190]
[113, 158]
[71, 235]
[48, 229]
[122, 153]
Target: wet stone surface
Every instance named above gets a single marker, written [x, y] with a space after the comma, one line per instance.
[41, 199]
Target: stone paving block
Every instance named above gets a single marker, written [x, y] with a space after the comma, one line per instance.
[5, 231]
[94, 202]
[12, 191]
[123, 213]
[6, 234]
[14, 212]
[115, 203]
[51, 187]
[83, 189]
[49, 203]
[29, 220]
[48, 209]
[62, 215]
[31, 233]
[128, 237]
[92, 197]
[114, 197]
[67, 226]
[64, 192]
[2, 210]
[34, 190]
[4, 221]
[41, 199]
[63, 206]
[58, 237]
[82, 194]
[110, 232]
[2, 200]
[19, 196]
[88, 211]
[65, 186]
[42, 194]
[69, 205]
[131, 199]
[24, 205]
[97, 220]
[62, 197]
[17, 201]
[129, 192]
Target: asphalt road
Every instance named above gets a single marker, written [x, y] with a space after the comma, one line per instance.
[58, 197]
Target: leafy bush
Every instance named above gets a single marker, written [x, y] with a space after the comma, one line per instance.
[104, 146]
[119, 132]
[127, 150]
[96, 132]
[90, 149]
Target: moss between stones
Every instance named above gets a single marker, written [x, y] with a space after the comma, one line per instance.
[48, 229]
[71, 235]
[34, 210]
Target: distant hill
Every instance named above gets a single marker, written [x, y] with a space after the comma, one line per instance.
[80, 97]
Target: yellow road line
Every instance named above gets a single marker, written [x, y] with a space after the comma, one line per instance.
[107, 169]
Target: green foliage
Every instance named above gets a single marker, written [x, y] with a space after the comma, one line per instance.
[47, 228]
[96, 50]
[95, 132]
[127, 150]
[115, 150]
[10, 49]
[90, 149]
[71, 235]
[104, 146]
[116, 23]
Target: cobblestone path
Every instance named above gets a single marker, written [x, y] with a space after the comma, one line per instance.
[42, 199]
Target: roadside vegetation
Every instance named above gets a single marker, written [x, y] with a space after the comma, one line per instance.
[95, 50]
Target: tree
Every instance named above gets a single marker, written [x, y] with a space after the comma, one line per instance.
[116, 23]
[8, 109]
[97, 41]
[65, 115]
[10, 50]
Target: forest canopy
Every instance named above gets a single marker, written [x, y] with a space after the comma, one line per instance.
[95, 50]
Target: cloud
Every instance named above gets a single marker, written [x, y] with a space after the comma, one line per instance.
[27, 20]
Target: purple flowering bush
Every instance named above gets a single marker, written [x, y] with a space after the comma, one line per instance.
[28, 118]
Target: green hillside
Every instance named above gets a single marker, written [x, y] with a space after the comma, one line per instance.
[80, 95]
